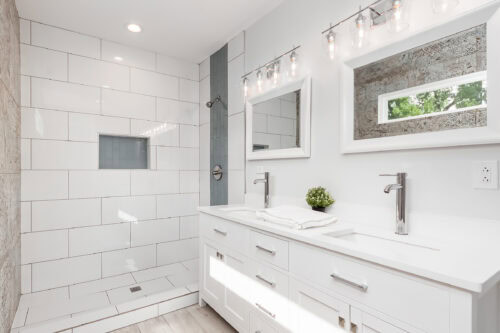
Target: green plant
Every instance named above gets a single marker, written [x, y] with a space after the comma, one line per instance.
[319, 197]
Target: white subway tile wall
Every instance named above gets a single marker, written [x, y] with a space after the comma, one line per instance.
[82, 227]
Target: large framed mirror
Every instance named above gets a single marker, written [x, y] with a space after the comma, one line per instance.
[278, 122]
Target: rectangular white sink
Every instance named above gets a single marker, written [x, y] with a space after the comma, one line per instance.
[384, 241]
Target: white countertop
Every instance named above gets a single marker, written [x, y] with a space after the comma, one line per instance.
[471, 267]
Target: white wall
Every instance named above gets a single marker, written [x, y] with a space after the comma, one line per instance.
[80, 223]
[440, 180]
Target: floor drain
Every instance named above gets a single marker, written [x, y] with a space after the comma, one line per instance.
[135, 289]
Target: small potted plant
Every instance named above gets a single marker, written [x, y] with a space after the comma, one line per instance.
[319, 198]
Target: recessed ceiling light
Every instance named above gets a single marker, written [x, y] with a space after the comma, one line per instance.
[118, 58]
[132, 27]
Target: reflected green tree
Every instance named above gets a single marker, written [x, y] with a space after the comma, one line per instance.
[457, 97]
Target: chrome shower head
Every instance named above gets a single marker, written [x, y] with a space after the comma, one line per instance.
[211, 103]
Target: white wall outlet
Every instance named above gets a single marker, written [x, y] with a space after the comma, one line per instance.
[485, 175]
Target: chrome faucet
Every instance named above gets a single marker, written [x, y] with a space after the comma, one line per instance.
[400, 187]
[264, 180]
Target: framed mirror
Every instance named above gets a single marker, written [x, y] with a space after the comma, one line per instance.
[278, 122]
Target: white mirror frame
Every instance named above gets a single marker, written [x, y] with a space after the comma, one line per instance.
[304, 151]
[489, 134]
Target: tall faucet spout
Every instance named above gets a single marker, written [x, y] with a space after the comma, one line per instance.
[391, 187]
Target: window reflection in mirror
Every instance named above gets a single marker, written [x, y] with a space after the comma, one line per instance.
[275, 123]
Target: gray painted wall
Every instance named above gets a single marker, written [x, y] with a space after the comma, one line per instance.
[218, 126]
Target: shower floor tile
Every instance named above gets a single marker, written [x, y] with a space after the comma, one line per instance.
[83, 303]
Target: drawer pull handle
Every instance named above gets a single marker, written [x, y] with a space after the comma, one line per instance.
[266, 311]
[223, 233]
[341, 322]
[220, 256]
[361, 286]
[354, 328]
[271, 252]
[258, 276]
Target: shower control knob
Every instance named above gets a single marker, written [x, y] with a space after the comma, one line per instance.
[217, 172]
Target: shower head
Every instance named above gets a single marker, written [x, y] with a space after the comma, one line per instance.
[211, 103]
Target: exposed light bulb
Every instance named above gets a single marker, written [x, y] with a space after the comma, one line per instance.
[444, 6]
[245, 87]
[276, 72]
[293, 64]
[330, 39]
[361, 33]
[398, 22]
[259, 80]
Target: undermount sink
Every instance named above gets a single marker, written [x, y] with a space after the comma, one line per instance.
[240, 212]
[393, 243]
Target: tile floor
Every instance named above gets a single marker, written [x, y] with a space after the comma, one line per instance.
[86, 302]
[192, 319]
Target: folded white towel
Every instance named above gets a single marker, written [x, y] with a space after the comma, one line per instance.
[296, 217]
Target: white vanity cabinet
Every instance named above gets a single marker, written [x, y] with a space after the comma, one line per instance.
[265, 282]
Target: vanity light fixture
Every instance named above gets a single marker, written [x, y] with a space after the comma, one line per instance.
[276, 72]
[260, 78]
[293, 64]
[330, 40]
[398, 20]
[132, 27]
[444, 6]
[362, 27]
[245, 87]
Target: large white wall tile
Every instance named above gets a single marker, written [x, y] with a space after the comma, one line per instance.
[126, 55]
[44, 185]
[172, 205]
[56, 95]
[98, 73]
[205, 147]
[189, 181]
[189, 91]
[129, 260]
[236, 46]
[172, 111]
[235, 70]
[63, 214]
[155, 231]
[40, 62]
[25, 279]
[164, 134]
[236, 187]
[173, 158]
[154, 182]
[123, 104]
[90, 184]
[154, 84]
[25, 31]
[25, 154]
[25, 217]
[189, 158]
[93, 287]
[204, 98]
[25, 90]
[64, 40]
[128, 209]
[236, 142]
[189, 136]
[176, 67]
[44, 124]
[99, 239]
[205, 187]
[43, 246]
[83, 127]
[189, 227]
[205, 68]
[60, 155]
[64, 272]
[177, 251]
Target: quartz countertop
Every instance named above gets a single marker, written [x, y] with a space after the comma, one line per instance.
[473, 267]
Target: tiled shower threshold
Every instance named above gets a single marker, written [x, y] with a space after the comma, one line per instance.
[111, 303]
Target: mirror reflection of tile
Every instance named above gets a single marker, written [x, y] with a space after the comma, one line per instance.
[451, 57]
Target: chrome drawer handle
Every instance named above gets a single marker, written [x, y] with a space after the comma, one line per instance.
[271, 252]
[223, 233]
[266, 311]
[361, 286]
[272, 284]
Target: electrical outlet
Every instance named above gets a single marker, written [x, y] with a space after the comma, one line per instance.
[485, 175]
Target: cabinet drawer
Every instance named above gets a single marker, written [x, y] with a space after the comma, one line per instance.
[268, 278]
[260, 325]
[223, 232]
[417, 303]
[269, 249]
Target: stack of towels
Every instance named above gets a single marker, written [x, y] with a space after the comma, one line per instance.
[295, 217]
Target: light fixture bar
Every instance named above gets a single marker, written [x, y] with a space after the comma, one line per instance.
[270, 62]
[356, 13]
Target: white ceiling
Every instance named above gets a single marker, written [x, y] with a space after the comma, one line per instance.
[187, 29]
